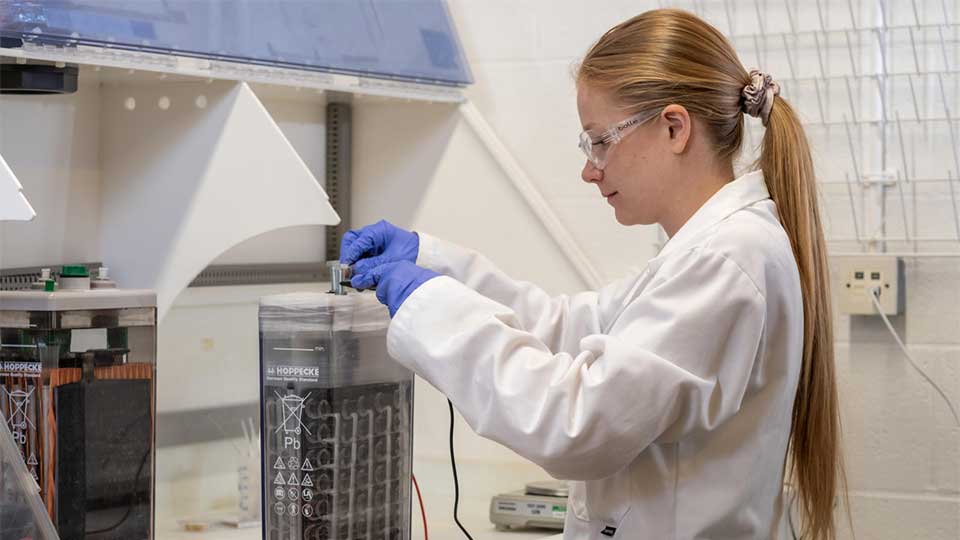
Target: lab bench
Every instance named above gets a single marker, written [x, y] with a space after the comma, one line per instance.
[436, 485]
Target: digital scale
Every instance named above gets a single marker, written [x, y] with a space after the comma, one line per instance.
[540, 505]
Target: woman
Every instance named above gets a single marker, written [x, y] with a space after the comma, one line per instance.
[670, 398]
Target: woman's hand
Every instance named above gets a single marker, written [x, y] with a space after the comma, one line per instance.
[394, 282]
[378, 244]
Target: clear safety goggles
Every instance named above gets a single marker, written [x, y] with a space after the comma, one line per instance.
[597, 146]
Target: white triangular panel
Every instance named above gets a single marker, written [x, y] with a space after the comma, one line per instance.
[14, 205]
[186, 182]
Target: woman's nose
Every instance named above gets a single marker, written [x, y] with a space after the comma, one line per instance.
[590, 173]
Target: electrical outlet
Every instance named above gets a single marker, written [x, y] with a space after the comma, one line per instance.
[860, 275]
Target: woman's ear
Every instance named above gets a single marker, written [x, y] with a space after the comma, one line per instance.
[680, 128]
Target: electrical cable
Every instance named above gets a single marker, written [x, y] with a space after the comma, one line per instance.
[136, 480]
[793, 499]
[456, 483]
[133, 500]
[874, 295]
[423, 512]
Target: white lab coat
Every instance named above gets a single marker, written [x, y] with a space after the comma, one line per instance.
[665, 398]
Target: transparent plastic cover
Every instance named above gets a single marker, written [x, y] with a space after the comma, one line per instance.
[337, 417]
[409, 39]
[326, 340]
[22, 515]
[306, 312]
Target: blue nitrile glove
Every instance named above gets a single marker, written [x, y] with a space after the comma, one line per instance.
[378, 244]
[394, 282]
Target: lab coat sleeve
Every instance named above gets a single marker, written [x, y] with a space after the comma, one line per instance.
[678, 361]
[557, 321]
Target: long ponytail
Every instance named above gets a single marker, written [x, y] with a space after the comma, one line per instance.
[670, 56]
[816, 462]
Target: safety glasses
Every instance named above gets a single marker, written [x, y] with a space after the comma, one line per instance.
[597, 146]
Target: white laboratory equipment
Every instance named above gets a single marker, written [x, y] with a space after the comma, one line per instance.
[540, 504]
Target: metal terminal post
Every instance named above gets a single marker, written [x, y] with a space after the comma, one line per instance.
[340, 275]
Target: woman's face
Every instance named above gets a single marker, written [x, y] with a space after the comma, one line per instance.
[635, 180]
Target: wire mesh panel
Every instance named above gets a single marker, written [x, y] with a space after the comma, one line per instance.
[877, 86]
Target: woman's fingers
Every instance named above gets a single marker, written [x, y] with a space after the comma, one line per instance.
[370, 277]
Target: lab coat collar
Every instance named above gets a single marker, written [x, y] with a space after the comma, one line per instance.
[743, 191]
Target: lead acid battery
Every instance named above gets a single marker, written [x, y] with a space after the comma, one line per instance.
[77, 393]
[336, 420]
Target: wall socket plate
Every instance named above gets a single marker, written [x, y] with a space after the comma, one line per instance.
[859, 275]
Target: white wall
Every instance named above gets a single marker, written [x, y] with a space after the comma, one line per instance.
[521, 54]
[902, 446]
[52, 144]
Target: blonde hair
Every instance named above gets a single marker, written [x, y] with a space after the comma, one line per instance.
[668, 56]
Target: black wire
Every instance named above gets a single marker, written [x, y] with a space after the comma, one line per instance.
[793, 532]
[133, 501]
[136, 480]
[456, 483]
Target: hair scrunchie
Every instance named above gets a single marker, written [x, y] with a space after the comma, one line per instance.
[758, 96]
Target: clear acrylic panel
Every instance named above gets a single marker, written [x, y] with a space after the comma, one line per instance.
[22, 514]
[395, 39]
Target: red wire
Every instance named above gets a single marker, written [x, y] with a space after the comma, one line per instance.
[423, 513]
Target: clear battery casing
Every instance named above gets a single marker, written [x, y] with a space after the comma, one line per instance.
[22, 513]
[77, 372]
[336, 420]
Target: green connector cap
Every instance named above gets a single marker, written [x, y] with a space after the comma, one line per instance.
[74, 270]
[49, 285]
